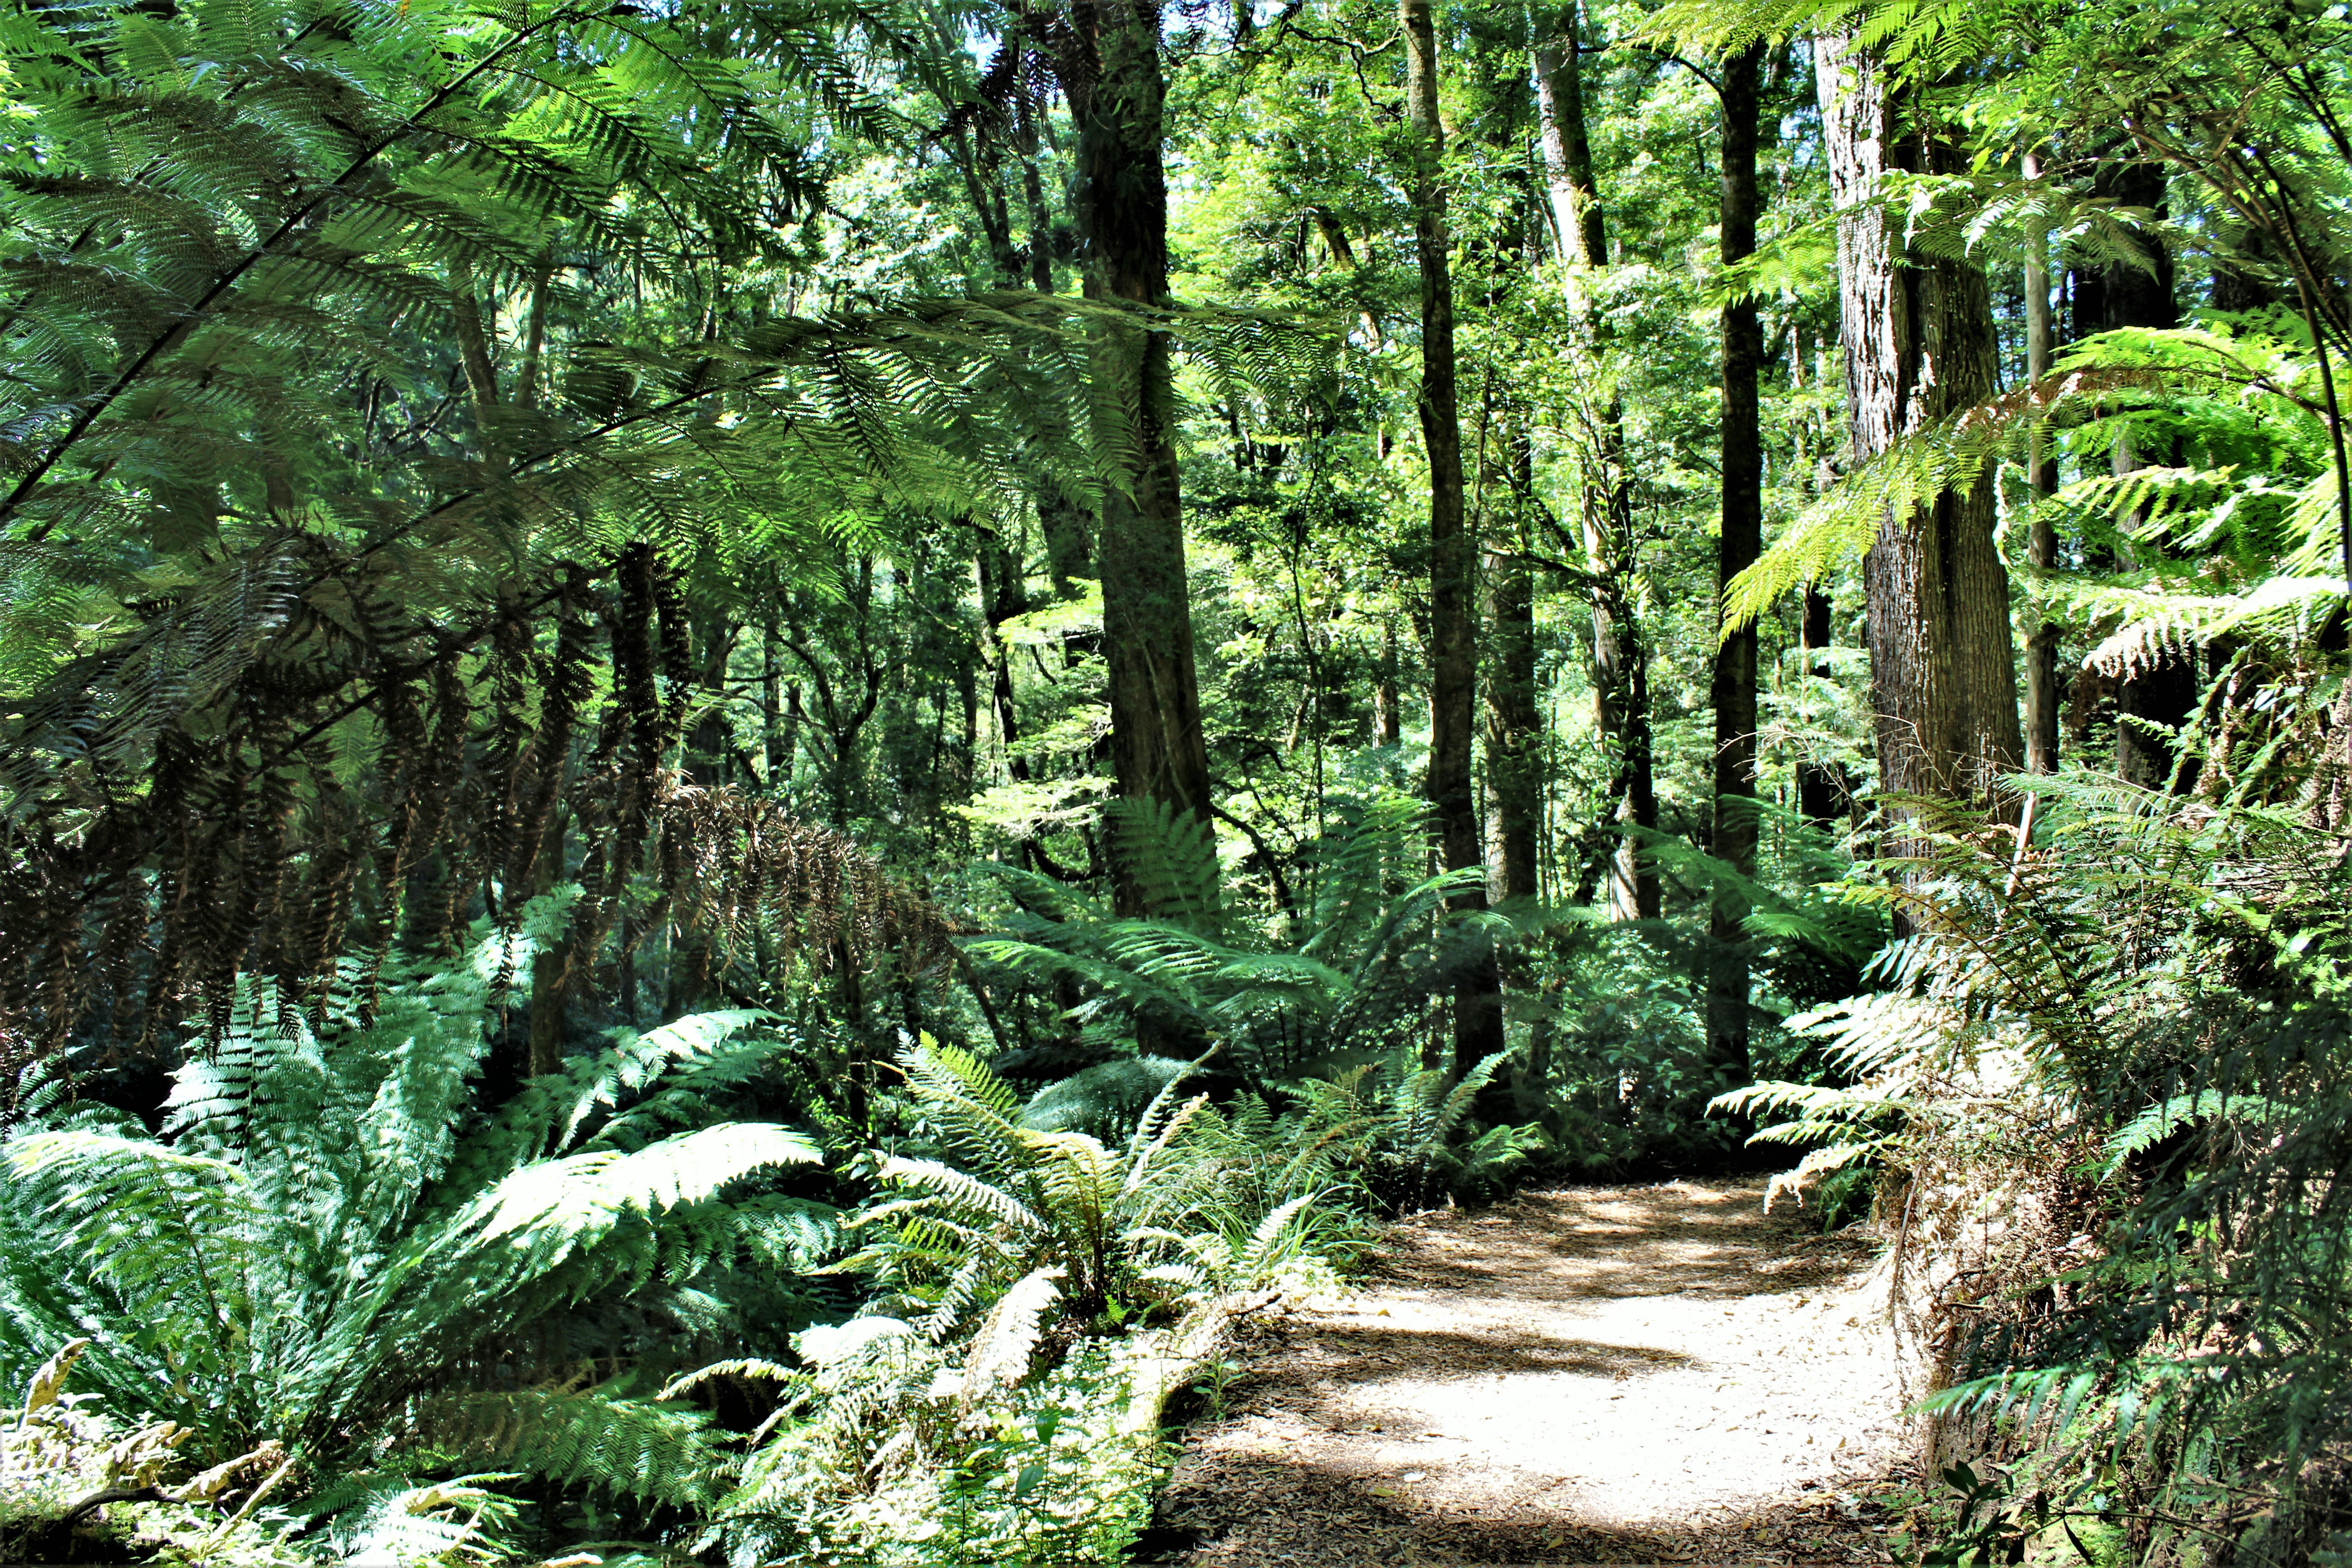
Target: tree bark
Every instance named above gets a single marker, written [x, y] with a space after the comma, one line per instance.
[2114, 293]
[1003, 595]
[1919, 346]
[1513, 724]
[1511, 730]
[1388, 716]
[2041, 698]
[1067, 528]
[1453, 624]
[1620, 667]
[1157, 750]
[1579, 225]
[2234, 289]
[1734, 839]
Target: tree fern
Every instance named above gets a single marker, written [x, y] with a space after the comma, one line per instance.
[306, 509]
[2247, 380]
[1363, 957]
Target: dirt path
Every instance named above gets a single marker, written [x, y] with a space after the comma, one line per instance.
[1591, 1375]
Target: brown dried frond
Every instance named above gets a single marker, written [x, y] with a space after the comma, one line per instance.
[352, 781]
[739, 866]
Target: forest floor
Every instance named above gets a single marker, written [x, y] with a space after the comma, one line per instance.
[1594, 1374]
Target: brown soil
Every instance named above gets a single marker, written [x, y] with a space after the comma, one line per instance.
[1601, 1374]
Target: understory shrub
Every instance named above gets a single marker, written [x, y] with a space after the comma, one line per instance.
[1038, 1294]
[330, 1259]
[2105, 1095]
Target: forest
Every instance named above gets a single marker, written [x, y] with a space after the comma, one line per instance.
[751, 750]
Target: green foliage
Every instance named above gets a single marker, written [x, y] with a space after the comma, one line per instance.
[1335, 978]
[2272, 521]
[889, 1465]
[460, 1520]
[1398, 1128]
[62, 1450]
[360, 387]
[1039, 1294]
[452, 452]
[329, 1248]
[2113, 1071]
[1014, 1229]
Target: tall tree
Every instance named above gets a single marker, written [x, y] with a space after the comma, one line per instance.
[1734, 839]
[1513, 718]
[1621, 696]
[1919, 346]
[1452, 552]
[1507, 508]
[1157, 750]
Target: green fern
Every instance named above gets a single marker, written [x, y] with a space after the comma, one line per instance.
[2101, 1092]
[323, 1240]
[1357, 963]
[2203, 373]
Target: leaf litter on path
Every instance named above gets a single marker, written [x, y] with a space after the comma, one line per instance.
[1596, 1374]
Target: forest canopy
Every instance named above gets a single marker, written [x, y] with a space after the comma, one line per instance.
[746, 744]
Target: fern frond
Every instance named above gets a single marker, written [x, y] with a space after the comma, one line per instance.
[2165, 1117]
[625, 1447]
[1007, 1337]
[945, 1181]
[563, 1203]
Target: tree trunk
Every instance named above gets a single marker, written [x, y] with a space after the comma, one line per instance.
[2234, 289]
[1581, 228]
[2116, 292]
[706, 758]
[2042, 541]
[1453, 624]
[1514, 726]
[1734, 839]
[1004, 594]
[1515, 757]
[1157, 750]
[1387, 717]
[1067, 528]
[1918, 346]
[1620, 668]
[1507, 508]
[1634, 891]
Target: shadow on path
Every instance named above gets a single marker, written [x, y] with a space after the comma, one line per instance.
[1624, 1375]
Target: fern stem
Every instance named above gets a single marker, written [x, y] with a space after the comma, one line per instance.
[186, 321]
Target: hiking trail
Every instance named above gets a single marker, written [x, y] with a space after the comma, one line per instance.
[1592, 1374]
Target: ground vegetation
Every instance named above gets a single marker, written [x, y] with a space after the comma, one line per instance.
[752, 750]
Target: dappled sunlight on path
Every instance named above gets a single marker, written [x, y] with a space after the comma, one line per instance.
[1595, 1374]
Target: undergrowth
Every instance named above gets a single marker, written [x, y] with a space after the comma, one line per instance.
[2102, 1097]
